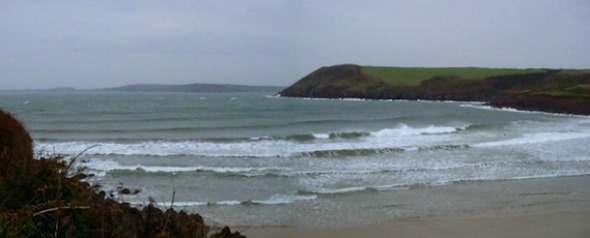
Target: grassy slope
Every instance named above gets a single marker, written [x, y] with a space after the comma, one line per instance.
[407, 76]
[566, 83]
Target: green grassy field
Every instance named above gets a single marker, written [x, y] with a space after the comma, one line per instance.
[412, 76]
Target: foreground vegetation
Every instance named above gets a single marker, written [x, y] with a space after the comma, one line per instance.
[46, 197]
[551, 90]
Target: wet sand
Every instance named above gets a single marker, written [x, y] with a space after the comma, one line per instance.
[544, 207]
[548, 225]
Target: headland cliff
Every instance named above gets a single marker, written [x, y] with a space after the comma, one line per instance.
[548, 90]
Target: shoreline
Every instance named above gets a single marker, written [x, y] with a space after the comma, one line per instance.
[484, 105]
[544, 207]
[564, 224]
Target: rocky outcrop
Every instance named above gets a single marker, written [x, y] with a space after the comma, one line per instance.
[545, 103]
[226, 233]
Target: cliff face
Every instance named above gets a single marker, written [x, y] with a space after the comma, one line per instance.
[563, 91]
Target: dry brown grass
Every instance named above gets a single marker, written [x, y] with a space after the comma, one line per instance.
[15, 146]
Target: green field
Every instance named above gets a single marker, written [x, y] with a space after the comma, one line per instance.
[412, 76]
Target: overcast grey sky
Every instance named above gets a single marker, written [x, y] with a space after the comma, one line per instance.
[89, 44]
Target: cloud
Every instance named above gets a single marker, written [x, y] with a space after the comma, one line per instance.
[109, 43]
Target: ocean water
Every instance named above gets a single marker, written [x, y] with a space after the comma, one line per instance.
[258, 160]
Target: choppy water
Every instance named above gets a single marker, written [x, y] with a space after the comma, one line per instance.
[259, 160]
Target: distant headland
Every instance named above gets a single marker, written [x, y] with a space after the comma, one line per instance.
[196, 87]
[548, 90]
[188, 88]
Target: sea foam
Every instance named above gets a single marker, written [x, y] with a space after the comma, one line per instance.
[263, 146]
[538, 138]
[109, 165]
[277, 199]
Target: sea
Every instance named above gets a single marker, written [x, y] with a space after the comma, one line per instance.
[256, 159]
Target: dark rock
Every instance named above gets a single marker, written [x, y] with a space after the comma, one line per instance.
[226, 233]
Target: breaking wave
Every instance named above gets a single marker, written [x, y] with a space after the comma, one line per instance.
[336, 143]
[348, 152]
[538, 138]
[273, 200]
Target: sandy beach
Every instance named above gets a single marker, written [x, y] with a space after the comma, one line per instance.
[542, 212]
[570, 224]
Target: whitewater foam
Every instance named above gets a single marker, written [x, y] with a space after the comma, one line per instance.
[278, 199]
[109, 165]
[263, 146]
[482, 106]
[538, 138]
[405, 130]
[284, 199]
[321, 136]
